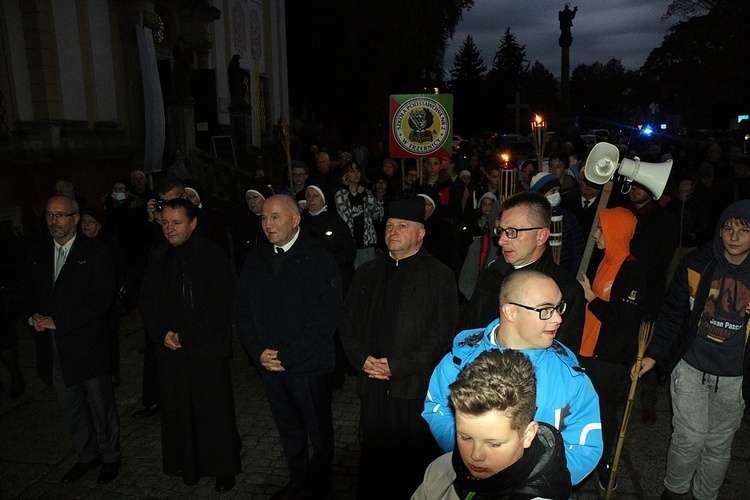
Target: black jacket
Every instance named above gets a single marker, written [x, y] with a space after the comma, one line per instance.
[426, 322]
[294, 310]
[621, 316]
[483, 307]
[195, 300]
[77, 302]
[330, 228]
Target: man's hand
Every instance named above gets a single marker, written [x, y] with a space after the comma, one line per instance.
[172, 340]
[377, 368]
[646, 365]
[150, 209]
[42, 323]
[270, 361]
[36, 319]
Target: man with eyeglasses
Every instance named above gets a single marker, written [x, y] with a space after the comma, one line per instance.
[531, 313]
[523, 230]
[67, 287]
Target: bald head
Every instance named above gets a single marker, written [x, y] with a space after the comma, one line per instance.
[516, 284]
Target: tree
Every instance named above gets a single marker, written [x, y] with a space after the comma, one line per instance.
[541, 89]
[598, 92]
[467, 85]
[699, 71]
[508, 73]
[346, 57]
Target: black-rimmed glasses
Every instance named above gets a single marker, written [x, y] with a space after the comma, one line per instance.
[58, 216]
[546, 312]
[511, 232]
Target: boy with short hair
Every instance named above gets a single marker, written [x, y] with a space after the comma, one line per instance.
[502, 451]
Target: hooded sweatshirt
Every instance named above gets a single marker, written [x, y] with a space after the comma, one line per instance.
[618, 227]
[704, 317]
[723, 327]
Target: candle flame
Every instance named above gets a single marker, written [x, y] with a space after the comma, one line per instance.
[505, 157]
[537, 118]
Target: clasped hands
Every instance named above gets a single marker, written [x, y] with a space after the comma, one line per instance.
[172, 340]
[377, 368]
[270, 361]
[42, 323]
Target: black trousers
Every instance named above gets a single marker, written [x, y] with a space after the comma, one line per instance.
[78, 403]
[396, 444]
[301, 408]
[605, 377]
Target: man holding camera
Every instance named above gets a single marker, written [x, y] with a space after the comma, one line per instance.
[168, 189]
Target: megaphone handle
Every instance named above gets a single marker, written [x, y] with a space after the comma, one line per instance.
[603, 200]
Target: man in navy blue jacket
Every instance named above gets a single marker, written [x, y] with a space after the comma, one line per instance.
[286, 307]
[67, 287]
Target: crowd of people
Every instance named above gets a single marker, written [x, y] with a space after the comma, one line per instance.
[448, 286]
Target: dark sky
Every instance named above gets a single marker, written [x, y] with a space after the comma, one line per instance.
[602, 30]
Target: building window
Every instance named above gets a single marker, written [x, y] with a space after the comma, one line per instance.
[265, 106]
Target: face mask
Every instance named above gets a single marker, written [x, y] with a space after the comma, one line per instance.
[118, 196]
[554, 199]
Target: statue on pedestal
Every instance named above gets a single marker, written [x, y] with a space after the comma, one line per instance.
[239, 85]
[566, 17]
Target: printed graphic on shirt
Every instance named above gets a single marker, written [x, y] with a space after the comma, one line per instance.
[725, 312]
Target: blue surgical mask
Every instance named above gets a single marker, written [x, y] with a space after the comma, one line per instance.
[554, 199]
[118, 196]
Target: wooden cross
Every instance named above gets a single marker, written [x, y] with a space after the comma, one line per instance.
[518, 107]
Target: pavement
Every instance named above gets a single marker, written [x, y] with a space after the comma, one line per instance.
[36, 450]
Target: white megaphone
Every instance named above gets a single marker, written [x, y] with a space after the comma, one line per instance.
[652, 176]
[601, 163]
[601, 166]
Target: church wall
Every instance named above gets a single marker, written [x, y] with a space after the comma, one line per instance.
[70, 65]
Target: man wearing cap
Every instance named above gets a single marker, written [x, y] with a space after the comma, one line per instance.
[573, 241]
[246, 229]
[523, 231]
[287, 305]
[397, 322]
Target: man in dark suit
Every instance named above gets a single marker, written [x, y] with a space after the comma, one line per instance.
[65, 292]
[584, 206]
[286, 310]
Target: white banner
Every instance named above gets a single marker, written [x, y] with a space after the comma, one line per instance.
[152, 101]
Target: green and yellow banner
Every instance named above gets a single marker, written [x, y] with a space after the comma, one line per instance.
[421, 125]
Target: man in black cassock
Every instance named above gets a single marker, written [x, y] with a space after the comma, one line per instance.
[186, 299]
[398, 319]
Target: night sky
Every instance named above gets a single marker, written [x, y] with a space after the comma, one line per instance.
[602, 30]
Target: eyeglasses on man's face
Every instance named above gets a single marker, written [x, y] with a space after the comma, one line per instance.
[512, 232]
[546, 312]
[57, 215]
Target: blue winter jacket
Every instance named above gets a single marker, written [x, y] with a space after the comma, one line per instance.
[565, 397]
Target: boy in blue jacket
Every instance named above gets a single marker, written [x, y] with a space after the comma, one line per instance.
[531, 309]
